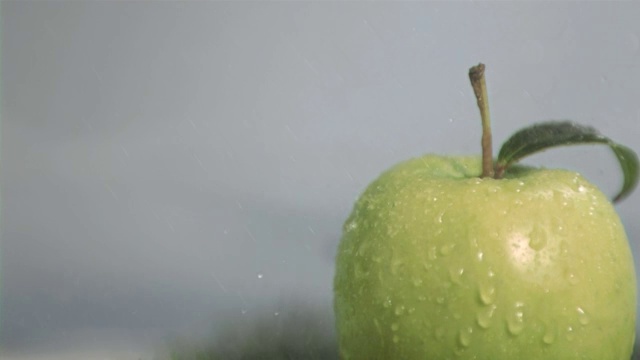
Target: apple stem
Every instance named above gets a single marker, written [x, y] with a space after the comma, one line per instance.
[476, 75]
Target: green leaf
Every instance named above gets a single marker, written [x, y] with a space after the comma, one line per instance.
[550, 134]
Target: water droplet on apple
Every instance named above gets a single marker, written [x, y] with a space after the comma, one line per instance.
[396, 265]
[422, 298]
[351, 226]
[515, 325]
[515, 320]
[486, 294]
[417, 282]
[485, 315]
[376, 323]
[480, 255]
[570, 335]
[464, 337]
[432, 255]
[395, 327]
[563, 248]
[358, 271]
[362, 249]
[571, 277]
[440, 300]
[583, 318]
[455, 274]
[549, 336]
[396, 339]
[537, 239]
[399, 310]
[446, 249]
[387, 302]
[411, 310]
[439, 334]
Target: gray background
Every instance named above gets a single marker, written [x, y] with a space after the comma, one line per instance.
[167, 166]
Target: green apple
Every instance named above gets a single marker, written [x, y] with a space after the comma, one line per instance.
[437, 262]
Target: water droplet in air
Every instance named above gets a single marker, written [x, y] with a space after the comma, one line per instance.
[399, 310]
[260, 276]
[276, 313]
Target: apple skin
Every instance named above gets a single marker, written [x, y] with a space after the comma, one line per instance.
[436, 263]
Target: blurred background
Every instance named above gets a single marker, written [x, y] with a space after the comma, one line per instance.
[175, 175]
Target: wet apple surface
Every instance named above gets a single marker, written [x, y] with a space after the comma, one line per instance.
[436, 263]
